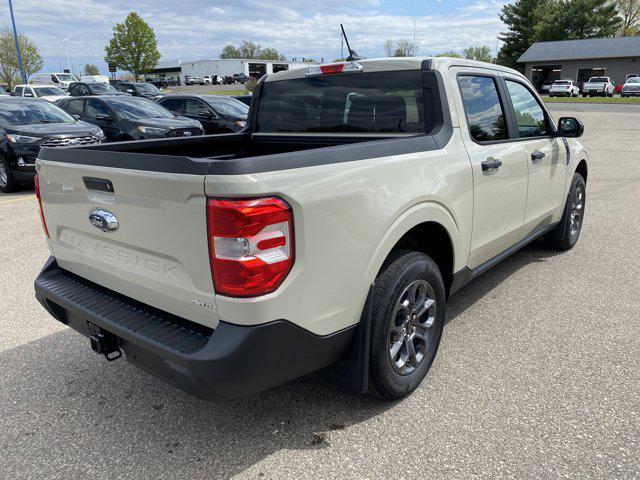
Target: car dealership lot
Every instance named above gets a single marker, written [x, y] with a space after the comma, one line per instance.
[538, 374]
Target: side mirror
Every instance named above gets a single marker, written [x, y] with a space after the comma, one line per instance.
[104, 118]
[570, 127]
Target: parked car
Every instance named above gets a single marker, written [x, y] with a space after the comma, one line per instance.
[240, 78]
[246, 99]
[50, 93]
[81, 89]
[601, 86]
[216, 113]
[631, 87]
[545, 86]
[564, 88]
[94, 79]
[62, 80]
[26, 125]
[130, 118]
[158, 82]
[139, 89]
[230, 263]
[190, 80]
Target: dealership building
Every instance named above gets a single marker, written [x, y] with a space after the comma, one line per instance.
[223, 67]
[578, 60]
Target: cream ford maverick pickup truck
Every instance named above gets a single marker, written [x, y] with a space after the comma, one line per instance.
[332, 229]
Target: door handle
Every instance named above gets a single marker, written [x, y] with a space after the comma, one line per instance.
[537, 156]
[491, 164]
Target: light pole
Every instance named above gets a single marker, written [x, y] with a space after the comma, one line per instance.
[15, 37]
[75, 52]
[64, 41]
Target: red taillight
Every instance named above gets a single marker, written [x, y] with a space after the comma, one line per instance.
[250, 245]
[332, 68]
[36, 182]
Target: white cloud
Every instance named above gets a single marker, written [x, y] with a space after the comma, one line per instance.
[192, 29]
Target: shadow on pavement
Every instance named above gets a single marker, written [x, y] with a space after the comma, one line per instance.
[66, 412]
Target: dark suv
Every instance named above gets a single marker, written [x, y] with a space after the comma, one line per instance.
[26, 125]
[216, 113]
[139, 89]
[81, 89]
[130, 118]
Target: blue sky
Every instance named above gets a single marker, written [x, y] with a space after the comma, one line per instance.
[198, 29]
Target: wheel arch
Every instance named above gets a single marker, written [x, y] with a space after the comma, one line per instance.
[582, 169]
[427, 228]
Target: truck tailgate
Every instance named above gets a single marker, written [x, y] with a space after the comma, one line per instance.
[158, 254]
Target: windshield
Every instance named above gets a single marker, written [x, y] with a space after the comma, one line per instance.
[377, 102]
[101, 89]
[25, 112]
[148, 88]
[633, 80]
[3, 91]
[66, 77]
[45, 91]
[138, 108]
[598, 80]
[229, 107]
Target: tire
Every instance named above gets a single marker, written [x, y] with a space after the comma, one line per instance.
[403, 346]
[565, 235]
[7, 183]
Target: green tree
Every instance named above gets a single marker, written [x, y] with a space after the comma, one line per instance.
[229, 51]
[388, 47]
[481, 53]
[629, 11]
[270, 54]
[449, 54]
[576, 20]
[521, 18]
[248, 49]
[9, 66]
[405, 48]
[134, 47]
[90, 69]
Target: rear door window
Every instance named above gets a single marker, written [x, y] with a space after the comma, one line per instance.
[95, 108]
[176, 105]
[75, 107]
[530, 118]
[483, 108]
[377, 102]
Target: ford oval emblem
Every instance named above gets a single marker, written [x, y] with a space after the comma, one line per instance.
[104, 220]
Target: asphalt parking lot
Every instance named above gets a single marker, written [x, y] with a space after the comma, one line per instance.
[538, 375]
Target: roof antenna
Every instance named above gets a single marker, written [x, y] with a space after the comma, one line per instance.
[353, 56]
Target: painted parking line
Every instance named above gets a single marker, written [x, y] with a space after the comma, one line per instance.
[18, 199]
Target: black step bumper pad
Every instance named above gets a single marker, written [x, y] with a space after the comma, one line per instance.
[228, 362]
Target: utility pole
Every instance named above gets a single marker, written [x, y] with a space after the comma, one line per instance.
[75, 52]
[15, 37]
[66, 51]
[414, 30]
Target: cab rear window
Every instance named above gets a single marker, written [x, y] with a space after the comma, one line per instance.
[378, 102]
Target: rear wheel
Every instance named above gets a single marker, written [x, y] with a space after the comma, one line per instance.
[7, 183]
[566, 233]
[406, 323]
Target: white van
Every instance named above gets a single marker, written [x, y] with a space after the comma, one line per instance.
[94, 79]
[62, 80]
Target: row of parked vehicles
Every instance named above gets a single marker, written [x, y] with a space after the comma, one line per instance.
[596, 86]
[94, 112]
[236, 78]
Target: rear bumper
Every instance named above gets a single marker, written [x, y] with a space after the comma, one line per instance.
[228, 362]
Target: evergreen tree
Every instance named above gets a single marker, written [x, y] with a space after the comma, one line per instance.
[520, 18]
